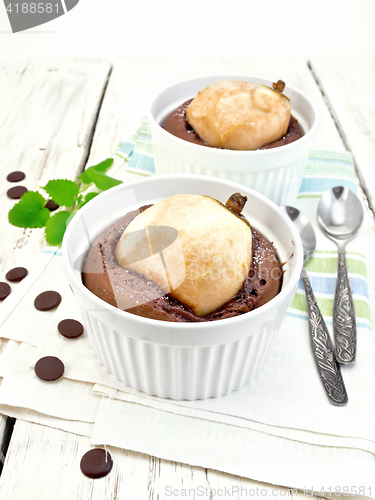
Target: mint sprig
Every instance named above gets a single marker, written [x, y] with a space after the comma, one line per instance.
[56, 226]
[103, 166]
[62, 191]
[89, 197]
[30, 211]
[102, 181]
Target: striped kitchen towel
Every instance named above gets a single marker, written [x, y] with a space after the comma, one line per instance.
[279, 429]
[324, 170]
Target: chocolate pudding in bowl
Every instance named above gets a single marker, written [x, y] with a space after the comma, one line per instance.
[123, 287]
[177, 125]
[185, 348]
[273, 171]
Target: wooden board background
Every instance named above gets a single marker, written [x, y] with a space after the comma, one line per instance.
[58, 117]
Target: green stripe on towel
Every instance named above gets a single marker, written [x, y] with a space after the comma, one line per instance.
[362, 308]
[326, 265]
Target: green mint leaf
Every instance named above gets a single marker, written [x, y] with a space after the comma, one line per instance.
[101, 180]
[55, 228]
[62, 191]
[82, 200]
[29, 211]
[103, 166]
[89, 197]
[100, 167]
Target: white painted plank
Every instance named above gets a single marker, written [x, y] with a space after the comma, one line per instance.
[135, 80]
[348, 85]
[132, 84]
[48, 110]
[44, 464]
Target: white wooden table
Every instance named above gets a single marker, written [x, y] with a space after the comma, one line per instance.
[59, 116]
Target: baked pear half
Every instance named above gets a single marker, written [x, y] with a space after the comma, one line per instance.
[196, 249]
[239, 115]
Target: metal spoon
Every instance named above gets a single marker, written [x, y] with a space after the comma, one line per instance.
[321, 344]
[340, 215]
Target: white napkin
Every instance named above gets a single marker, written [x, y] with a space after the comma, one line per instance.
[279, 429]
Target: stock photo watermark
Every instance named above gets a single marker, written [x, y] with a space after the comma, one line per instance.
[236, 491]
[24, 15]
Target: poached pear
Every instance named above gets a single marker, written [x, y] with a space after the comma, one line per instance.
[196, 249]
[239, 115]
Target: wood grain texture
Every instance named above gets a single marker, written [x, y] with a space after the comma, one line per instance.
[348, 86]
[132, 84]
[48, 111]
[43, 463]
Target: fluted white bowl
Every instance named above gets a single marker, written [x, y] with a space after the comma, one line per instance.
[180, 360]
[276, 173]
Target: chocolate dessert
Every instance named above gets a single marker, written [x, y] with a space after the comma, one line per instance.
[177, 125]
[113, 283]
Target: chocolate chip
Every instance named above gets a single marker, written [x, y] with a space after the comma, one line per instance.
[263, 282]
[4, 290]
[51, 205]
[16, 274]
[70, 328]
[96, 463]
[47, 300]
[16, 192]
[49, 368]
[16, 176]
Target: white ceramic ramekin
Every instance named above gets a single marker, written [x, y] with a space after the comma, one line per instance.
[180, 360]
[276, 173]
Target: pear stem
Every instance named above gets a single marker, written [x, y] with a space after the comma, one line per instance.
[236, 202]
[279, 86]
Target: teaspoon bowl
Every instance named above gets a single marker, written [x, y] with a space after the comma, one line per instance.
[340, 215]
[321, 344]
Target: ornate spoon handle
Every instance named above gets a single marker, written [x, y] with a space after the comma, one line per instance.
[329, 369]
[344, 325]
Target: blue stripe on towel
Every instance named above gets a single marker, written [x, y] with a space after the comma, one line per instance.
[125, 148]
[327, 285]
[141, 162]
[322, 184]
